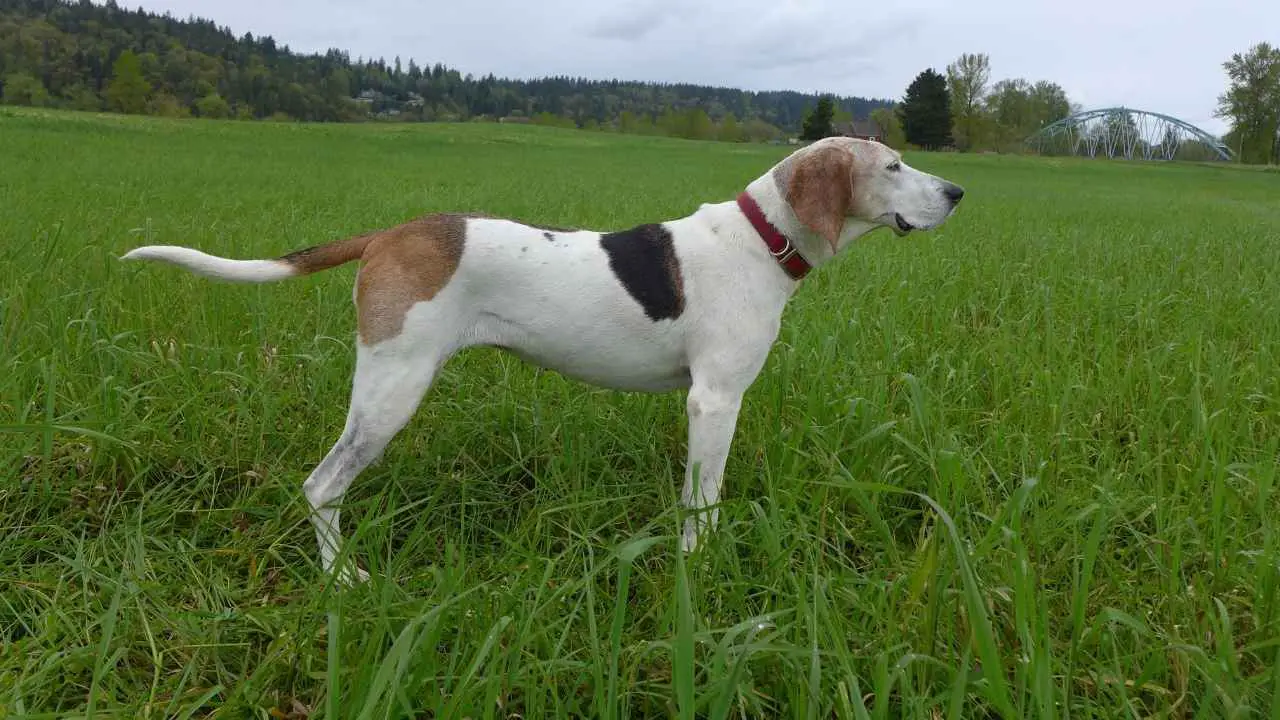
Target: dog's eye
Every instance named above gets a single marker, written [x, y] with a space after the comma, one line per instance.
[895, 166]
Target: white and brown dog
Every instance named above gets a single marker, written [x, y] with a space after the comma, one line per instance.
[690, 303]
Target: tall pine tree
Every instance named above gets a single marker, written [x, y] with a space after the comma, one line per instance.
[926, 111]
[817, 124]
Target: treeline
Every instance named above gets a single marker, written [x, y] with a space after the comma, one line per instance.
[85, 56]
[957, 111]
[963, 110]
[693, 123]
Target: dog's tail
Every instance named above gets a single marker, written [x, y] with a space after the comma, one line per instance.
[302, 262]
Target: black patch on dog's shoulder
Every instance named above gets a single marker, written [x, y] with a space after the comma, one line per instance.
[549, 237]
[644, 261]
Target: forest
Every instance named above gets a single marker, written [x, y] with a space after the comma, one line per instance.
[86, 56]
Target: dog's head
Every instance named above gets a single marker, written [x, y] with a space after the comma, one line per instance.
[838, 180]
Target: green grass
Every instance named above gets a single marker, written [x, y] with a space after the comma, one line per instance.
[1021, 466]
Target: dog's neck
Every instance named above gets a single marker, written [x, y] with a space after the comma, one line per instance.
[812, 246]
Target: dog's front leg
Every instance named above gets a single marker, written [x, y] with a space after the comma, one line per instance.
[713, 415]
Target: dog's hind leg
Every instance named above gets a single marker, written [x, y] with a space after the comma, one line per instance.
[390, 380]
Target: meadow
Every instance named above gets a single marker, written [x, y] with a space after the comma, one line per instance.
[1022, 466]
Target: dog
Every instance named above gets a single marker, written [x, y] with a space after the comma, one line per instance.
[693, 303]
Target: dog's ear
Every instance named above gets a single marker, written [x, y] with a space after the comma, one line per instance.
[820, 190]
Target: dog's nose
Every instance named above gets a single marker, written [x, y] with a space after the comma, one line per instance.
[953, 192]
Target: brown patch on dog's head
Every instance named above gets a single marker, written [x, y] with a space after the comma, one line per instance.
[404, 265]
[820, 189]
[818, 184]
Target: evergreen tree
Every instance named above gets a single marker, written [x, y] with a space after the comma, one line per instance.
[818, 123]
[926, 111]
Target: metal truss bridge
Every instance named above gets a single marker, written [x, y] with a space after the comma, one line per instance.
[1119, 132]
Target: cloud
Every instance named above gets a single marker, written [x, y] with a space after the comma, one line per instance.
[631, 23]
[841, 54]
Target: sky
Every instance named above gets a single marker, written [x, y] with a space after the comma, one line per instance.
[1158, 55]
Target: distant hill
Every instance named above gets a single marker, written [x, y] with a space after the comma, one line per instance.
[100, 57]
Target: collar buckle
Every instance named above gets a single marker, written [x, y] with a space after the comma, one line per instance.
[787, 255]
[787, 252]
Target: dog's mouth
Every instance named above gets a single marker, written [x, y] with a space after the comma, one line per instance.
[900, 225]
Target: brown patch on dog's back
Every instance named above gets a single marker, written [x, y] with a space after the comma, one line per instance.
[404, 265]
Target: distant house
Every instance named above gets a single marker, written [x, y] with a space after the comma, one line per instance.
[864, 129]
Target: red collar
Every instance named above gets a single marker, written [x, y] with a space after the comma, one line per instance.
[780, 246]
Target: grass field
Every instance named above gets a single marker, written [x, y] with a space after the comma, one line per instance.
[1023, 466]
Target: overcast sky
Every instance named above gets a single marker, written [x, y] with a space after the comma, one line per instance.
[1159, 55]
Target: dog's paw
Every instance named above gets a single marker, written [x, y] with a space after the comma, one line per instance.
[350, 576]
[690, 537]
[696, 527]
